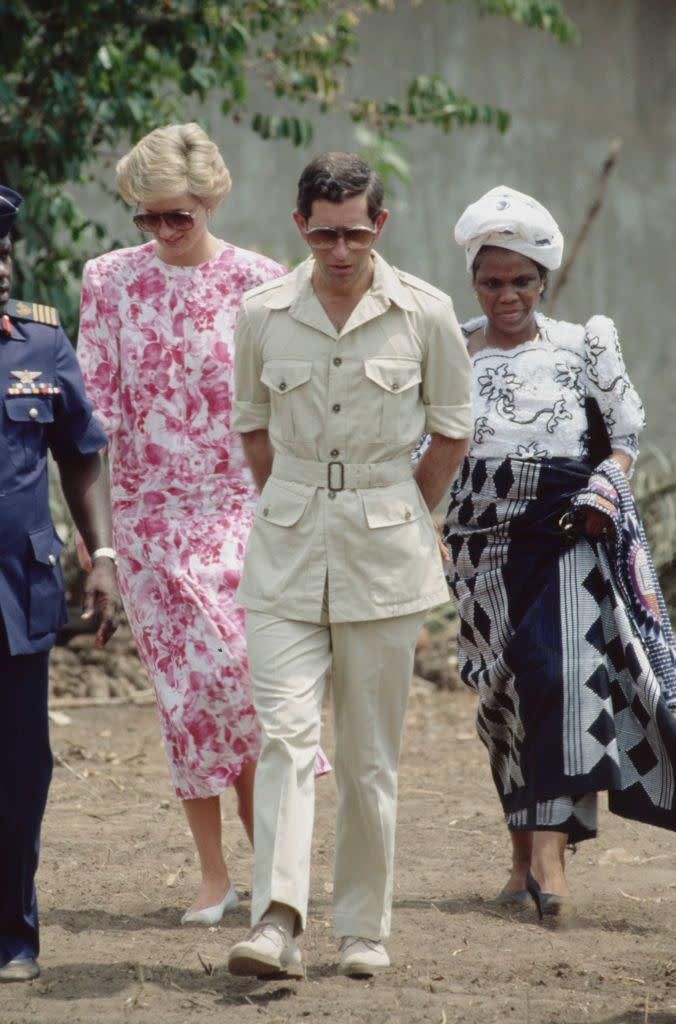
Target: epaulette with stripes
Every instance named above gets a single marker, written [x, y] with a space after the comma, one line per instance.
[40, 314]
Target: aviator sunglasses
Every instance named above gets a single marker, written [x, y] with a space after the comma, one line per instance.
[327, 238]
[176, 220]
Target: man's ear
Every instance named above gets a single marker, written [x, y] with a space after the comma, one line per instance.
[379, 222]
[300, 222]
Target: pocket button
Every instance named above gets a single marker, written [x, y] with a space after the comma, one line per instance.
[51, 559]
[33, 413]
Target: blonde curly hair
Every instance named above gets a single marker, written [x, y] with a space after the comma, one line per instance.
[170, 161]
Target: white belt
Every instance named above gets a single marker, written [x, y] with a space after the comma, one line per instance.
[342, 476]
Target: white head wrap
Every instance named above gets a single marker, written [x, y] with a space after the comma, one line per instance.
[510, 220]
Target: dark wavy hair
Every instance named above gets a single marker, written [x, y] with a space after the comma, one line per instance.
[337, 177]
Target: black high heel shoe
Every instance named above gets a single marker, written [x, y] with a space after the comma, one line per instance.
[548, 903]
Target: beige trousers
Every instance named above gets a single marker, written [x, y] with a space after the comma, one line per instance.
[371, 665]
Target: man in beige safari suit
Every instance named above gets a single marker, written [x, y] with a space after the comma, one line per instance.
[339, 368]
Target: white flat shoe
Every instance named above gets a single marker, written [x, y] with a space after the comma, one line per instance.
[212, 915]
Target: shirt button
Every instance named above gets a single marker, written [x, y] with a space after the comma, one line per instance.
[51, 559]
[282, 386]
[334, 453]
[336, 407]
[33, 413]
[337, 361]
[332, 494]
[266, 511]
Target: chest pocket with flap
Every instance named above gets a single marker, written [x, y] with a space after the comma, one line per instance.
[397, 381]
[26, 418]
[284, 378]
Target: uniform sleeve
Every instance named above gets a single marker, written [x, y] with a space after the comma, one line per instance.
[251, 407]
[75, 427]
[97, 350]
[447, 376]
[608, 382]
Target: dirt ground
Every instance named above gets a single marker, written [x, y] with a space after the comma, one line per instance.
[118, 869]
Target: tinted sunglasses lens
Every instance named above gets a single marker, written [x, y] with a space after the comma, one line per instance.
[322, 238]
[178, 221]
[147, 221]
[358, 238]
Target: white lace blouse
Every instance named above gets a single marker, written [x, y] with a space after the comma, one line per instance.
[529, 400]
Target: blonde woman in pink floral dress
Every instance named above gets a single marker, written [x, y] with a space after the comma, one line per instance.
[156, 349]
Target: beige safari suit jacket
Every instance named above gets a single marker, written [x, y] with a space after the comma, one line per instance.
[362, 395]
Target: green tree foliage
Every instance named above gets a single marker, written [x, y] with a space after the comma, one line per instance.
[81, 79]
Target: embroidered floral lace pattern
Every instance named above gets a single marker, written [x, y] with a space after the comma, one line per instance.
[529, 400]
[156, 349]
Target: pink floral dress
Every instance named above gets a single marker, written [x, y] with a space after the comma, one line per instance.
[156, 350]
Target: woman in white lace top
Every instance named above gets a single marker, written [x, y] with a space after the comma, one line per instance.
[529, 392]
[563, 634]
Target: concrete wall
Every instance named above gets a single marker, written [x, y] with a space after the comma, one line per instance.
[568, 103]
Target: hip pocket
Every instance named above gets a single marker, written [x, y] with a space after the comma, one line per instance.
[46, 604]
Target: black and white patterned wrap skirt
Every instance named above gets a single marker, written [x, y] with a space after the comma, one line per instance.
[569, 703]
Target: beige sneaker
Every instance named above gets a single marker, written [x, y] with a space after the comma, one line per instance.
[360, 958]
[268, 950]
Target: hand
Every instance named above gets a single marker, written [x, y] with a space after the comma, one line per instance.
[443, 550]
[101, 593]
[598, 525]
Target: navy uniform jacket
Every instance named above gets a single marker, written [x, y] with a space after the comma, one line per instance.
[43, 406]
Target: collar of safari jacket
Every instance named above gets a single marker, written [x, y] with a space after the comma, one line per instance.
[298, 296]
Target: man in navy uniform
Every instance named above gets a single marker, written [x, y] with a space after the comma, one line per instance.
[42, 406]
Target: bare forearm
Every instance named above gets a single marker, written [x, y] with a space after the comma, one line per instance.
[259, 453]
[85, 487]
[623, 460]
[438, 466]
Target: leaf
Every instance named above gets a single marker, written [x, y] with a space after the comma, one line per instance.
[75, 92]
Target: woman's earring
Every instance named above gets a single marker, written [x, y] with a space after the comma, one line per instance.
[476, 296]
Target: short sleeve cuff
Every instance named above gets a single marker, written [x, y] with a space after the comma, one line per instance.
[248, 416]
[83, 435]
[454, 421]
[629, 445]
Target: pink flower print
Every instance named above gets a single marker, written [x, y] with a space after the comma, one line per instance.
[222, 353]
[201, 727]
[151, 285]
[218, 397]
[155, 454]
[174, 460]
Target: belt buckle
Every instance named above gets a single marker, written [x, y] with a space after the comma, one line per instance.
[329, 476]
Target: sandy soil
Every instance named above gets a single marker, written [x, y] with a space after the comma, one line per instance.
[118, 868]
